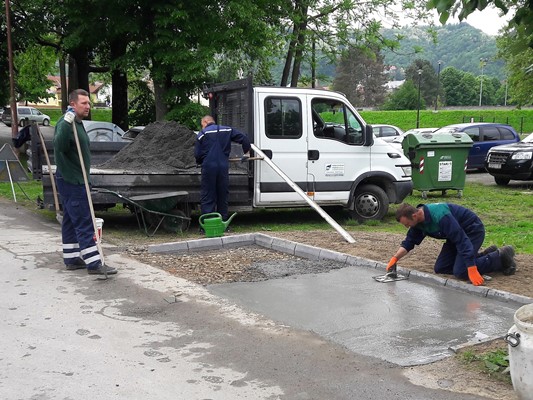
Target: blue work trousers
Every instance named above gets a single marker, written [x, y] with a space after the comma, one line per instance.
[215, 190]
[450, 261]
[77, 229]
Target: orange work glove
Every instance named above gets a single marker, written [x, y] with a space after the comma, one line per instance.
[391, 263]
[474, 276]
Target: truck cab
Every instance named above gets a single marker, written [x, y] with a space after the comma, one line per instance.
[319, 141]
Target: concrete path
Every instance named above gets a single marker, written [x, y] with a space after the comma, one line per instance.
[145, 334]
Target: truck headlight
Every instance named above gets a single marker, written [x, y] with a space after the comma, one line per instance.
[407, 170]
[522, 155]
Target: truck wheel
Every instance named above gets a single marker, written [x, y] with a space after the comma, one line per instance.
[369, 202]
[501, 181]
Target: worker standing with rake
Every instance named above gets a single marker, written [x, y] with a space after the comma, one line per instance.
[81, 248]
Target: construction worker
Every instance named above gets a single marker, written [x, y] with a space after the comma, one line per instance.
[212, 149]
[464, 234]
[77, 229]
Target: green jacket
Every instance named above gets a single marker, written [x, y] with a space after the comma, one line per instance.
[66, 152]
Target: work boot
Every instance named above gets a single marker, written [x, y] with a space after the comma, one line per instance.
[492, 248]
[77, 264]
[102, 270]
[507, 260]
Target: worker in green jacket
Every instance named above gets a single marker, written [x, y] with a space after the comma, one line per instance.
[463, 233]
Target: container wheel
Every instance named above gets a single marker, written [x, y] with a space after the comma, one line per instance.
[459, 193]
[369, 202]
[176, 225]
[424, 194]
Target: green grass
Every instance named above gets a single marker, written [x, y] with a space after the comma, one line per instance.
[492, 363]
[97, 114]
[521, 120]
[505, 211]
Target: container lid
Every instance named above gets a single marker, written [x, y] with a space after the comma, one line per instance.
[433, 140]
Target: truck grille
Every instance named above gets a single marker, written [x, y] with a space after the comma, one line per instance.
[498, 157]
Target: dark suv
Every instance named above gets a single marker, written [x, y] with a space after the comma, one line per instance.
[511, 161]
[485, 135]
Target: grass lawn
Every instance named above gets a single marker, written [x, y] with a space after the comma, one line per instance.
[506, 212]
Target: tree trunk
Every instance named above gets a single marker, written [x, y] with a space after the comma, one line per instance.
[288, 62]
[160, 94]
[300, 43]
[119, 80]
[63, 83]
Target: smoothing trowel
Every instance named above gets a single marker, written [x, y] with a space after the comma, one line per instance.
[390, 276]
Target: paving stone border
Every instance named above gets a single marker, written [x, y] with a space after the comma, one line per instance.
[317, 253]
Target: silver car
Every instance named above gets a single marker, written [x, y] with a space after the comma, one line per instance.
[25, 116]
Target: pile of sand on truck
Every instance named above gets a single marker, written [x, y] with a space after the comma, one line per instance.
[163, 147]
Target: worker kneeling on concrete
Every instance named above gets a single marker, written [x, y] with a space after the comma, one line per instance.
[77, 230]
[464, 234]
[212, 149]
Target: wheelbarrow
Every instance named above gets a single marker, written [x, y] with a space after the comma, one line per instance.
[156, 210]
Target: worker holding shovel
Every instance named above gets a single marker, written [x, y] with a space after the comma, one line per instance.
[81, 249]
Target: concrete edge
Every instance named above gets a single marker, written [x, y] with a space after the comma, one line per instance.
[318, 253]
[471, 343]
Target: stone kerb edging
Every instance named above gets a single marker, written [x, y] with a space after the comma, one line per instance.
[317, 253]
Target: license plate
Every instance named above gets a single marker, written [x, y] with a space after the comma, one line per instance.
[495, 166]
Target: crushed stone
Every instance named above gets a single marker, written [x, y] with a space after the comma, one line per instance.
[162, 146]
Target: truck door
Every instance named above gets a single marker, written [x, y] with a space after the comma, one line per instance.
[280, 133]
[336, 155]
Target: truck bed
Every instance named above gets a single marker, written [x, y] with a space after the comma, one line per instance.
[138, 183]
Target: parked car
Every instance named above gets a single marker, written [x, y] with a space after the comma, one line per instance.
[511, 161]
[397, 141]
[386, 132]
[485, 135]
[25, 115]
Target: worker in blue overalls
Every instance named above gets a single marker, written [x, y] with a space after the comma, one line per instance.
[464, 234]
[77, 229]
[212, 149]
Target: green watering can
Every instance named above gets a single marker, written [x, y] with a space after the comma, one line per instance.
[213, 225]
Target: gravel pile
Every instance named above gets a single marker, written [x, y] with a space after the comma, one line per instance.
[163, 147]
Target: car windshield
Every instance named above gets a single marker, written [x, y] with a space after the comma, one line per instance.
[447, 130]
[528, 139]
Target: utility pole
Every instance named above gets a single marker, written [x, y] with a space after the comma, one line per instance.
[12, 100]
[438, 86]
[482, 61]
[418, 108]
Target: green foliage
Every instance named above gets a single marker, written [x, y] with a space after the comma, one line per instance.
[457, 45]
[515, 50]
[360, 77]
[188, 114]
[493, 362]
[141, 104]
[405, 98]
[32, 67]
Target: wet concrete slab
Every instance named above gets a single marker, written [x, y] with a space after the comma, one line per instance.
[406, 322]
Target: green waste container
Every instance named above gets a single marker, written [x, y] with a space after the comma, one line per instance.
[438, 161]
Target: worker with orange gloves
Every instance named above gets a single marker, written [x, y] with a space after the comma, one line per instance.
[464, 234]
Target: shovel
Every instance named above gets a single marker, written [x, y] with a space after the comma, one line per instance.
[390, 276]
[59, 216]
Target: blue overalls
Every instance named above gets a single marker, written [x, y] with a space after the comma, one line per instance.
[212, 149]
[77, 230]
[464, 233]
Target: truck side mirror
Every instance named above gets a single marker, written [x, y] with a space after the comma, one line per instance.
[369, 136]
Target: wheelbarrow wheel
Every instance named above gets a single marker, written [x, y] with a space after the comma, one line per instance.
[176, 225]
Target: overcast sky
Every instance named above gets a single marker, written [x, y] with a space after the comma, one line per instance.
[487, 20]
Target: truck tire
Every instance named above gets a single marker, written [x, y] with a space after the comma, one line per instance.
[501, 181]
[369, 202]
